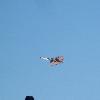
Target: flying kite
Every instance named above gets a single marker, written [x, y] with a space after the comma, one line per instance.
[55, 60]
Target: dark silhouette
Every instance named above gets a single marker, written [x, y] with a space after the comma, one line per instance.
[29, 98]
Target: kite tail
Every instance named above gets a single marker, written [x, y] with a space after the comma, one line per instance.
[44, 58]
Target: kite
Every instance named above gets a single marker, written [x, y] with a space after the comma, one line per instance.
[55, 60]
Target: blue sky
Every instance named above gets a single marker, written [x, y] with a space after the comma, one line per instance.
[33, 28]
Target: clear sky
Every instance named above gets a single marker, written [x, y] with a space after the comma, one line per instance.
[33, 28]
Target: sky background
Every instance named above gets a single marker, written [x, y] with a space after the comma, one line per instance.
[33, 28]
